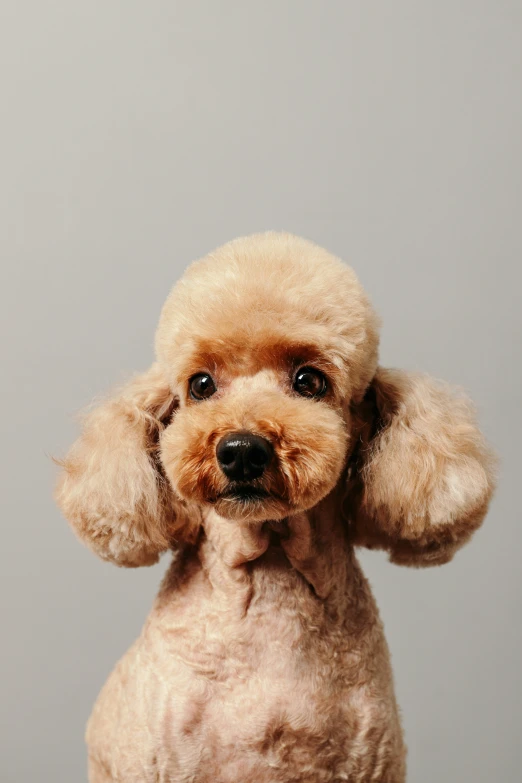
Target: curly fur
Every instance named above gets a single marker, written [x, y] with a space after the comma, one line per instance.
[264, 658]
[427, 473]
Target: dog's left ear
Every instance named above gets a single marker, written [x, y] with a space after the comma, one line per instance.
[422, 475]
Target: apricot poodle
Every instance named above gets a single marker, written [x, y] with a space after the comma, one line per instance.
[263, 445]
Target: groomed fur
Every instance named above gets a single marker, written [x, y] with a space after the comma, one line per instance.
[110, 488]
[264, 658]
[426, 474]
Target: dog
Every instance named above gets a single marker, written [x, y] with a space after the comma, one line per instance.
[264, 445]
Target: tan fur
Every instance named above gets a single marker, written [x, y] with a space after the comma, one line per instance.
[426, 474]
[264, 659]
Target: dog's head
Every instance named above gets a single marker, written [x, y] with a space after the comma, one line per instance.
[266, 376]
[264, 345]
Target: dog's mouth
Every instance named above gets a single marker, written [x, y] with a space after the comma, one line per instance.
[249, 502]
[244, 493]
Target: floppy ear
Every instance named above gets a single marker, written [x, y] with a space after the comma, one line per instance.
[111, 488]
[423, 476]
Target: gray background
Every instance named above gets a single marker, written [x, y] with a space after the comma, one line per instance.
[136, 136]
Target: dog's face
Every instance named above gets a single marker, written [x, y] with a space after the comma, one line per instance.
[265, 345]
[260, 431]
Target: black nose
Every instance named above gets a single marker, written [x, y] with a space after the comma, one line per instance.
[242, 456]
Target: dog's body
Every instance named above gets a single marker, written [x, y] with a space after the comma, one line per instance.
[243, 673]
[264, 445]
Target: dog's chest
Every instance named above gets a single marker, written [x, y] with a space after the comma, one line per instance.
[275, 688]
[277, 692]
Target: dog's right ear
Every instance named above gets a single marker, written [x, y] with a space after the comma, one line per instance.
[112, 489]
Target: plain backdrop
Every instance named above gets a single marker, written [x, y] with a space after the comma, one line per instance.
[137, 136]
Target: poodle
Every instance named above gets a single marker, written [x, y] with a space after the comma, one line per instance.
[263, 445]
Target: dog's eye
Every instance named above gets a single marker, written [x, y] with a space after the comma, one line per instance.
[309, 382]
[201, 386]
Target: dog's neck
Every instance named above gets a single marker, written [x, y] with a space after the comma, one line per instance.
[313, 542]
